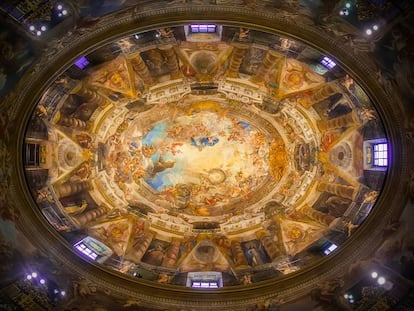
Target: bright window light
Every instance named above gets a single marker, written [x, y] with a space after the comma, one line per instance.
[81, 62]
[327, 62]
[330, 249]
[203, 28]
[86, 251]
[381, 154]
[204, 284]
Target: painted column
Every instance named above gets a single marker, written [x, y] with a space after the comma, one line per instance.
[343, 191]
[139, 248]
[317, 95]
[140, 68]
[318, 216]
[172, 63]
[72, 122]
[89, 94]
[236, 59]
[89, 216]
[238, 254]
[271, 247]
[69, 188]
[269, 61]
[346, 120]
[171, 255]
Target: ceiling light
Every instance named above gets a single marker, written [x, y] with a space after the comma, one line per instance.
[63, 293]
[368, 31]
[64, 12]
[375, 27]
[59, 7]
[34, 274]
[38, 33]
[344, 11]
[29, 277]
[374, 275]
[42, 281]
[348, 5]
[43, 28]
[31, 27]
[381, 280]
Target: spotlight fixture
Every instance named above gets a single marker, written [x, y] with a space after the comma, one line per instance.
[42, 281]
[374, 275]
[368, 31]
[375, 27]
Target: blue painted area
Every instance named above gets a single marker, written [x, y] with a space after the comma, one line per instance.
[245, 125]
[204, 141]
[160, 181]
[157, 133]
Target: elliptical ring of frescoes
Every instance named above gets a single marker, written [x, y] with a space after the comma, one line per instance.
[238, 152]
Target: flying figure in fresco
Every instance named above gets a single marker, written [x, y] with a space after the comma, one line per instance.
[161, 165]
[202, 142]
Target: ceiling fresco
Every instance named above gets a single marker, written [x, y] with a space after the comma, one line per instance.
[205, 148]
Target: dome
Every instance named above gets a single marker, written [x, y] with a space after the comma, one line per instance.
[156, 143]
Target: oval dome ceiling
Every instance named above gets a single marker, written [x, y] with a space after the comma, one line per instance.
[205, 155]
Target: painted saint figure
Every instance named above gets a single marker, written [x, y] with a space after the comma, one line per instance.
[254, 256]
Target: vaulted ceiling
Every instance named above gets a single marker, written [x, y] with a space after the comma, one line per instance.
[159, 149]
